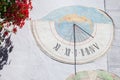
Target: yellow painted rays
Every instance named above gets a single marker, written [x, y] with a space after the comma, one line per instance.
[76, 18]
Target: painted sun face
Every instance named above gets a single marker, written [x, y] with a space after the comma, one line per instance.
[74, 18]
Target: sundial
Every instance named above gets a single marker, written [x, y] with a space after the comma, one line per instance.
[74, 35]
[82, 33]
[67, 40]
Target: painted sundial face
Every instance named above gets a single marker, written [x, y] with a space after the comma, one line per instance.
[87, 30]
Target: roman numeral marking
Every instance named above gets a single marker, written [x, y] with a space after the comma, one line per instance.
[90, 49]
[87, 51]
[57, 47]
[82, 52]
[96, 45]
[67, 51]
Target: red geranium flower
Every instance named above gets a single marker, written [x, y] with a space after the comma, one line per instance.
[15, 12]
[14, 30]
